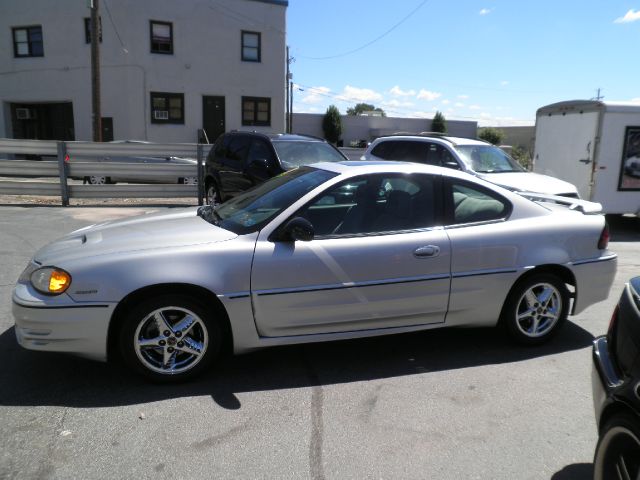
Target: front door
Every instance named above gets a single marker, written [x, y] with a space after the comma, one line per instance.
[213, 113]
[377, 261]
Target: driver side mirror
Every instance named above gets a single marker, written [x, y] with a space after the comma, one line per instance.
[297, 228]
[451, 164]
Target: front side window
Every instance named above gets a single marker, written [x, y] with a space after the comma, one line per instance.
[487, 159]
[251, 47]
[374, 204]
[167, 107]
[27, 42]
[161, 37]
[256, 111]
[473, 204]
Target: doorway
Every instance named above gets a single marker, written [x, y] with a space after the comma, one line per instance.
[43, 121]
[213, 113]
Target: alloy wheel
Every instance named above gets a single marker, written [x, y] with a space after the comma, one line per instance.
[171, 340]
[539, 309]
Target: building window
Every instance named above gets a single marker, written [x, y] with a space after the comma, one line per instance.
[161, 37]
[250, 47]
[256, 111]
[87, 30]
[27, 41]
[167, 107]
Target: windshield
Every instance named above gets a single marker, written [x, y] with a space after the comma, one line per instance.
[296, 153]
[253, 209]
[487, 159]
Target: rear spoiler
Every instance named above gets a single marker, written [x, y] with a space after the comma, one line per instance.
[584, 206]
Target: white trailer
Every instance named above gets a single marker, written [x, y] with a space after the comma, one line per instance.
[594, 145]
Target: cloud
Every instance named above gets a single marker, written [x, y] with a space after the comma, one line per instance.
[474, 107]
[355, 94]
[428, 95]
[484, 11]
[631, 16]
[314, 95]
[504, 83]
[396, 103]
[463, 97]
[635, 100]
[459, 104]
[398, 92]
[445, 102]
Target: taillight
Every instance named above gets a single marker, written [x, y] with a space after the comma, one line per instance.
[67, 158]
[603, 242]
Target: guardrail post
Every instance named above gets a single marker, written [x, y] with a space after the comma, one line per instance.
[200, 175]
[62, 170]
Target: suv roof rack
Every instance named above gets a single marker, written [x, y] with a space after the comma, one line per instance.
[439, 135]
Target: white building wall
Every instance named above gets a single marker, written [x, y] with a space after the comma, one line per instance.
[206, 60]
[356, 128]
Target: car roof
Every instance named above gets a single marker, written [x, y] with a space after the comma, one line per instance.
[359, 167]
[275, 137]
[434, 137]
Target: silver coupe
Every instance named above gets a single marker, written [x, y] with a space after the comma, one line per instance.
[324, 252]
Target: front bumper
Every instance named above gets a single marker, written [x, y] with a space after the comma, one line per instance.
[604, 378]
[61, 325]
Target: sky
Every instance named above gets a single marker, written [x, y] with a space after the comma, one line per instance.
[493, 61]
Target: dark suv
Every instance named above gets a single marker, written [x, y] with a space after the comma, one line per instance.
[240, 160]
[616, 390]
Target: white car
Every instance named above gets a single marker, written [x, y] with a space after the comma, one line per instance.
[476, 157]
[324, 252]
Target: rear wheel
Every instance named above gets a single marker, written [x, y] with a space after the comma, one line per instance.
[536, 308]
[618, 450]
[170, 338]
[97, 180]
[213, 195]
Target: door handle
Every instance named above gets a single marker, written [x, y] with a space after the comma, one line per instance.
[426, 251]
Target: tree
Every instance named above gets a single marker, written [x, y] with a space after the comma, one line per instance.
[332, 124]
[360, 108]
[521, 155]
[491, 135]
[438, 124]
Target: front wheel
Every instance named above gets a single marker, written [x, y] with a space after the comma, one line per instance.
[170, 338]
[536, 308]
[618, 450]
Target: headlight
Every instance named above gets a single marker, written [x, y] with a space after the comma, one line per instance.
[50, 280]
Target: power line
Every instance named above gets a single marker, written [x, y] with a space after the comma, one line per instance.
[106, 5]
[362, 47]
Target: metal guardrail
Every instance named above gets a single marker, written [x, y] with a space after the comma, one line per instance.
[85, 159]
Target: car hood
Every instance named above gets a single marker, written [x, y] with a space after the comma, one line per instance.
[530, 182]
[152, 231]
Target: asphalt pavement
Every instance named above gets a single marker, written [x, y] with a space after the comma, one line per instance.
[442, 404]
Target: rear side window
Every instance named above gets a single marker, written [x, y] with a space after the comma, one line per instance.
[402, 151]
[237, 149]
[471, 204]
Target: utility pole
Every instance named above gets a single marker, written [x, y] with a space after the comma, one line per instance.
[598, 97]
[288, 87]
[95, 71]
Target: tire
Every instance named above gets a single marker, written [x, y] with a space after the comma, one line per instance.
[618, 449]
[170, 338]
[535, 309]
[213, 197]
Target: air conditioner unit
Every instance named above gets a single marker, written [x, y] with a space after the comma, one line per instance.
[24, 114]
[161, 114]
